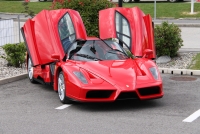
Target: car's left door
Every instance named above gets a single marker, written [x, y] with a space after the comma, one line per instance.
[43, 37]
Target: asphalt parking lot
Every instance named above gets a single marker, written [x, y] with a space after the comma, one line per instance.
[35, 108]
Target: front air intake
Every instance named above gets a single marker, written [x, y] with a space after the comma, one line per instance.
[127, 95]
[98, 94]
[149, 91]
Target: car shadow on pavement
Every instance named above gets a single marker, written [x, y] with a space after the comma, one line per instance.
[121, 105]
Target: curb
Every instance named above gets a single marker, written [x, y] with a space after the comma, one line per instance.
[12, 79]
[183, 25]
[179, 71]
[172, 18]
[189, 50]
[161, 70]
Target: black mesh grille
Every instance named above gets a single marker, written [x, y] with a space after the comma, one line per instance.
[99, 94]
[127, 95]
[149, 91]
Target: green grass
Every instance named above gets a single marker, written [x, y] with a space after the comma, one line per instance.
[196, 63]
[167, 9]
[16, 6]
[164, 9]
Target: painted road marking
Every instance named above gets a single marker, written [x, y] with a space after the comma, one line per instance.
[62, 107]
[193, 116]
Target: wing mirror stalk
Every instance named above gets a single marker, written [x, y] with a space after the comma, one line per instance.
[147, 52]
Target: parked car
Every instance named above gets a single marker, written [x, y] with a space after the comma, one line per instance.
[128, 1]
[91, 69]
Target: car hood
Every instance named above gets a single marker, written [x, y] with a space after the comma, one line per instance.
[119, 73]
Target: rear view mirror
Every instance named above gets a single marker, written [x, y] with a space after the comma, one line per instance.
[55, 56]
[147, 52]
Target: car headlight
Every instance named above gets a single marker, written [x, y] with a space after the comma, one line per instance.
[154, 72]
[81, 77]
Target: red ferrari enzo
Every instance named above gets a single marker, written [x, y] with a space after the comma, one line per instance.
[91, 69]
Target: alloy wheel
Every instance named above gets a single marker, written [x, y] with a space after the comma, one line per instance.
[30, 69]
[61, 87]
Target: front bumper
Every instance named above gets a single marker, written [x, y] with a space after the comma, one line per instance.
[110, 94]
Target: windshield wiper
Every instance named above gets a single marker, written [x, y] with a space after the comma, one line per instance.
[116, 50]
[88, 56]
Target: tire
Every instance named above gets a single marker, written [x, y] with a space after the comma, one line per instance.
[127, 1]
[62, 89]
[172, 1]
[30, 71]
[136, 0]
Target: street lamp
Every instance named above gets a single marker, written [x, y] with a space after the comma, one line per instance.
[120, 3]
[120, 22]
[192, 6]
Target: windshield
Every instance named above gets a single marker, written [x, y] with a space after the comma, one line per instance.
[96, 50]
[66, 31]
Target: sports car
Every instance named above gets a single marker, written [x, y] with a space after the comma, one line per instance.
[117, 65]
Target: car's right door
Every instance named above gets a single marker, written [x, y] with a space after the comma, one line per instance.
[131, 26]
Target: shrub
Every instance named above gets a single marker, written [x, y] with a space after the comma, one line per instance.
[15, 54]
[88, 10]
[27, 10]
[168, 39]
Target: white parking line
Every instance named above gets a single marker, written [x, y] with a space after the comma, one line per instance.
[62, 107]
[193, 116]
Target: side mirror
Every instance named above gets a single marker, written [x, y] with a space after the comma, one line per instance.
[147, 52]
[55, 56]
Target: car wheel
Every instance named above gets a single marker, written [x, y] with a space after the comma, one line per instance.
[30, 71]
[127, 1]
[62, 89]
[172, 0]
